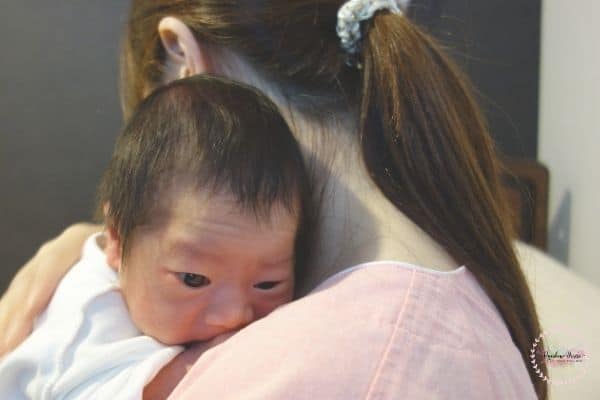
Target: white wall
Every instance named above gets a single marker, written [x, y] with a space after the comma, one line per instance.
[569, 138]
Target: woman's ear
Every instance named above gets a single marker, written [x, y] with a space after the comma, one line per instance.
[185, 56]
[112, 247]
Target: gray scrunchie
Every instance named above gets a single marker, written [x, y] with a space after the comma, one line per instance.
[353, 12]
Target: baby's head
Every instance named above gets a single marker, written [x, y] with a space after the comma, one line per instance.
[206, 209]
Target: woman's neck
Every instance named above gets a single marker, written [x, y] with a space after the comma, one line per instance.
[357, 223]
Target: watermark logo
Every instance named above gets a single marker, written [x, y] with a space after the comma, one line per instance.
[562, 353]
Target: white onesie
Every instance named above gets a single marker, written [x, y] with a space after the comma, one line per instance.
[84, 345]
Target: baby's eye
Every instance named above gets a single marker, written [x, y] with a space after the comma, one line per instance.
[194, 280]
[266, 285]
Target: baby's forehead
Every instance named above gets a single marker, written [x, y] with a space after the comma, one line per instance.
[208, 208]
[197, 226]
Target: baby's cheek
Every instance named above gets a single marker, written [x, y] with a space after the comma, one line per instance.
[159, 319]
[267, 307]
[167, 330]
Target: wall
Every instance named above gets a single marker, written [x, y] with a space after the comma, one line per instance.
[497, 43]
[569, 138]
[59, 115]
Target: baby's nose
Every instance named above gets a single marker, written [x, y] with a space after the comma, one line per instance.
[229, 309]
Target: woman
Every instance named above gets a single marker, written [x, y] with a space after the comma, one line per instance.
[406, 172]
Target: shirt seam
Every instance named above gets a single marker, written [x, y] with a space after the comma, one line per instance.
[461, 270]
[388, 346]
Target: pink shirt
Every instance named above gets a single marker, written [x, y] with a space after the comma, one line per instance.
[381, 330]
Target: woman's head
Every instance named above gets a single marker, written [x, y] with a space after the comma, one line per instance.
[292, 46]
[413, 118]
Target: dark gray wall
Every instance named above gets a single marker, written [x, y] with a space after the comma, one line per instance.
[497, 42]
[59, 114]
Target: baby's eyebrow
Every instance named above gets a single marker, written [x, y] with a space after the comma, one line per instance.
[279, 262]
[189, 249]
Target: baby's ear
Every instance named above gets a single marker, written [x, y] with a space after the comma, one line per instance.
[113, 247]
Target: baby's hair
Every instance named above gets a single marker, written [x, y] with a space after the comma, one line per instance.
[215, 135]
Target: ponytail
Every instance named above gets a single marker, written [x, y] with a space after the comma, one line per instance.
[425, 145]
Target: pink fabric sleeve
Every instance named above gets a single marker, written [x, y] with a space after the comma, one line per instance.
[378, 331]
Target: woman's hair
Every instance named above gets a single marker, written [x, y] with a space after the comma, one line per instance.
[422, 136]
[208, 134]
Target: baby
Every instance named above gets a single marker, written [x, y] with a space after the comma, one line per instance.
[205, 203]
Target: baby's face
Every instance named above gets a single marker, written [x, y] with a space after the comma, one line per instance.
[207, 268]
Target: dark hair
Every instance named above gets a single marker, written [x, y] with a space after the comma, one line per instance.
[215, 135]
[422, 136]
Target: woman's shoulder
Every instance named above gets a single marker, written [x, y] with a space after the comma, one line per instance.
[448, 308]
[378, 328]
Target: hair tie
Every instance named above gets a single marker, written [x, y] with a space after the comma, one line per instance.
[349, 18]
